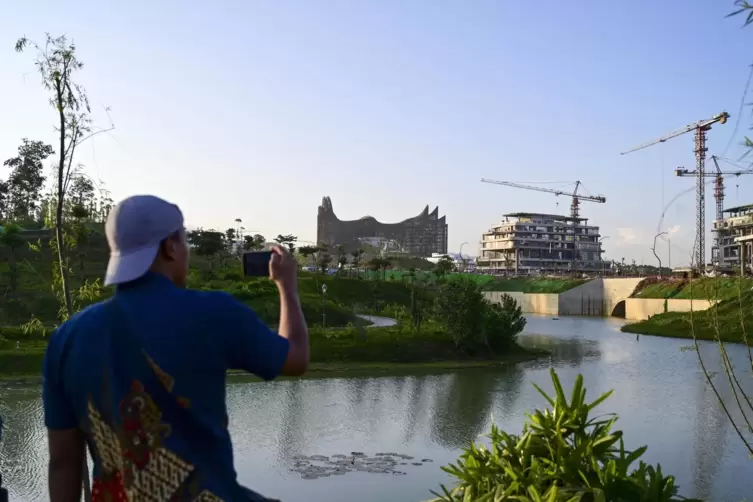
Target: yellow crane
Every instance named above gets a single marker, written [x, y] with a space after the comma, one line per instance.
[700, 128]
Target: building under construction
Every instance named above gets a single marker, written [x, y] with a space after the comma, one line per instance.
[730, 235]
[526, 243]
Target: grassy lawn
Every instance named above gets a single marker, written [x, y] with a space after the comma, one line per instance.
[533, 284]
[707, 288]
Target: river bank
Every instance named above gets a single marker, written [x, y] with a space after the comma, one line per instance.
[341, 350]
[731, 321]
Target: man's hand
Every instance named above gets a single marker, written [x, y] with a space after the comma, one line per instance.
[283, 267]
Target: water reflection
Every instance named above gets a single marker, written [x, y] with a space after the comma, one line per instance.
[660, 396]
[461, 411]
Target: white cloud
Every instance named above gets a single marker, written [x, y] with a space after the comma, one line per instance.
[626, 235]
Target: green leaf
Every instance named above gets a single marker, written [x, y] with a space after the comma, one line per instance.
[600, 400]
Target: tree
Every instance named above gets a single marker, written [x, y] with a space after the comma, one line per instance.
[80, 231]
[4, 209]
[502, 324]
[323, 259]
[357, 254]
[342, 257]
[253, 242]
[10, 239]
[57, 64]
[379, 264]
[308, 252]
[444, 266]
[287, 240]
[82, 192]
[207, 243]
[26, 178]
[461, 307]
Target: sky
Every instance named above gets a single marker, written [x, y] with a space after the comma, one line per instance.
[258, 109]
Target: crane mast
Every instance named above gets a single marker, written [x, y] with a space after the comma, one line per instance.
[718, 197]
[701, 128]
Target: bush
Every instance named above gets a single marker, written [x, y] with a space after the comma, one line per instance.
[562, 455]
[503, 323]
[473, 321]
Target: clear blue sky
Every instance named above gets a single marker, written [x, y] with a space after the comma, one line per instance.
[256, 110]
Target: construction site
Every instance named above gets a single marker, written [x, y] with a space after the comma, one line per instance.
[529, 242]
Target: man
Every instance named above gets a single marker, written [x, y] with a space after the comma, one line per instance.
[140, 378]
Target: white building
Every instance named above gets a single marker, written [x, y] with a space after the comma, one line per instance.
[540, 243]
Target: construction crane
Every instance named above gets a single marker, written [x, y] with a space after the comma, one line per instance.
[700, 128]
[574, 205]
[718, 196]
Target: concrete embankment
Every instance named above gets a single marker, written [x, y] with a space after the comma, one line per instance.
[599, 298]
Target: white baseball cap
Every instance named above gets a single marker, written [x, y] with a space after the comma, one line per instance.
[135, 229]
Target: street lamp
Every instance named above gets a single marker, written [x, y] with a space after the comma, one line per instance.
[462, 260]
[653, 249]
[324, 313]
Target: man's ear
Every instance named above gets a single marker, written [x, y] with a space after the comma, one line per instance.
[169, 247]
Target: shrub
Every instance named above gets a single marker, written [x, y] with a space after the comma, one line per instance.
[503, 323]
[562, 455]
[473, 321]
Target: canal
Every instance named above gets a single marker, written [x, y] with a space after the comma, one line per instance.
[660, 395]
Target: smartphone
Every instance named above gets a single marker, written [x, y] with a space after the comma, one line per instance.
[256, 263]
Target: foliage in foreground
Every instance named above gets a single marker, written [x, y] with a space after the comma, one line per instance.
[563, 454]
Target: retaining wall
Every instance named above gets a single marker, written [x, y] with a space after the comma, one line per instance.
[597, 297]
[530, 303]
[640, 309]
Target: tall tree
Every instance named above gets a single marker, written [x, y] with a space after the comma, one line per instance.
[26, 178]
[253, 242]
[4, 209]
[357, 255]
[57, 64]
[82, 192]
[342, 258]
[11, 239]
[308, 252]
[287, 240]
[207, 243]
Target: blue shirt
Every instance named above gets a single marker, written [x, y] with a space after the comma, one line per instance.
[143, 374]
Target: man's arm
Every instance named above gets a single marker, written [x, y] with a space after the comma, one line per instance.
[66, 468]
[283, 269]
[66, 442]
[248, 344]
[293, 327]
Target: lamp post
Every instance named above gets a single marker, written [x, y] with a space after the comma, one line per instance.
[603, 268]
[653, 249]
[462, 260]
[324, 313]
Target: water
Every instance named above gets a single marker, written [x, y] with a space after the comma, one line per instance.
[660, 395]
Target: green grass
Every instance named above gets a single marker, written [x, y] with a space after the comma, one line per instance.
[727, 321]
[533, 284]
[719, 288]
[333, 350]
